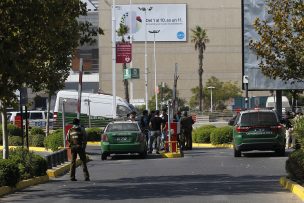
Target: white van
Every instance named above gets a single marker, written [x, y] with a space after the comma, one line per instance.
[95, 105]
[35, 118]
[271, 103]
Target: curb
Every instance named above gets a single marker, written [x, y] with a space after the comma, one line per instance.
[207, 145]
[23, 184]
[171, 155]
[51, 173]
[61, 170]
[199, 145]
[294, 187]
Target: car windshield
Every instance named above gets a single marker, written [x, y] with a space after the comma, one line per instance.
[114, 127]
[258, 118]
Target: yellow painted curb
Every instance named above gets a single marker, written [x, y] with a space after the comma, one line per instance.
[293, 187]
[171, 155]
[93, 143]
[37, 149]
[23, 184]
[207, 145]
[62, 169]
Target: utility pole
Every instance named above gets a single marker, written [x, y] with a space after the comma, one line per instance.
[174, 103]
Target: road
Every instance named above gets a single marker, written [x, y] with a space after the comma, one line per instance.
[203, 175]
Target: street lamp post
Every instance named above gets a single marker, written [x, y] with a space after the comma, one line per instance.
[146, 65]
[155, 78]
[114, 59]
[211, 87]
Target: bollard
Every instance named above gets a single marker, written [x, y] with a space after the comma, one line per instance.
[54, 160]
[65, 155]
[49, 161]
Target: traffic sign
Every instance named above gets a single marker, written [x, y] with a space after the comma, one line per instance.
[123, 52]
[131, 73]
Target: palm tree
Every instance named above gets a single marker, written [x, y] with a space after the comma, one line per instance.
[200, 38]
[121, 32]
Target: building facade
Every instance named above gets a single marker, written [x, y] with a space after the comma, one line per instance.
[223, 56]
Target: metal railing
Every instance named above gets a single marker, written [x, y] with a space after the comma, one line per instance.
[56, 158]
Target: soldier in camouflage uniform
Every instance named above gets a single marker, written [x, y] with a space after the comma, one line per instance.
[77, 139]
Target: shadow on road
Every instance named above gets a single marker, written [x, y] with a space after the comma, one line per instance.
[166, 187]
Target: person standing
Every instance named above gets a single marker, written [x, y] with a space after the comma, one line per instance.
[144, 123]
[77, 139]
[155, 126]
[186, 127]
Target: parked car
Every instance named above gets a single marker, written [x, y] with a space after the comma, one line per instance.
[258, 130]
[35, 118]
[121, 137]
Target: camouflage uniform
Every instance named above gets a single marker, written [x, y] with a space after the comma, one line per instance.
[78, 139]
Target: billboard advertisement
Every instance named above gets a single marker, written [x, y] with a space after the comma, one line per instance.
[251, 10]
[169, 19]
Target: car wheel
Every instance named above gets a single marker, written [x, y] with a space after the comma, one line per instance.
[143, 154]
[280, 152]
[237, 153]
[104, 156]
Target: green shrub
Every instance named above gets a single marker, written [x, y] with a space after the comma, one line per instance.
[54, 140]
[13, 130]
[221, 135]
[9, 173]
[37, 131]
[36, 140]
[295, 165]
[202, 134]
[36, 137]
[14, 141]
[298, 129]
[93, 134]
[29, 164]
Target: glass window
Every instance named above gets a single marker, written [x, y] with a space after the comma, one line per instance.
[259, 118]
[122, 110]
[114, 127]
[36, 115]
[50, 115]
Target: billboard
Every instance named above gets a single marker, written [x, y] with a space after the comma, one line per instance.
[252, 9]
[170, 19]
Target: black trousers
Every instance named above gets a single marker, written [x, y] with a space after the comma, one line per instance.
[81, 152]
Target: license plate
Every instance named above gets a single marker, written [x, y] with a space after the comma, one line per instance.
[121, 139]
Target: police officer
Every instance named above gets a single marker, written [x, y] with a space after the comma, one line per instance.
[77, 139]
[186, 127]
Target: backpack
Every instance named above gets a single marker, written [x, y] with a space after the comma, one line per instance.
[76, 136]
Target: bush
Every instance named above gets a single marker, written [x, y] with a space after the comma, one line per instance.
[37, 131]
[295, 166]
[13, 130]
[298, 129]
[54, 140]
[36, 140]
[202, 134]
[14, 141]
[221, 135]
[29, 164]
[9, 173]
[36, 137]
[93, 134]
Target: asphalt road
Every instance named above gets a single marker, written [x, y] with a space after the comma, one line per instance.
[203, 175]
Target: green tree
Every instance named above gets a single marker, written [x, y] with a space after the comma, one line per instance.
[121, 32]
[61, 41]
[166, 94]
[222, 92]
[37, 40]
[281, 43]
[199, 38]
